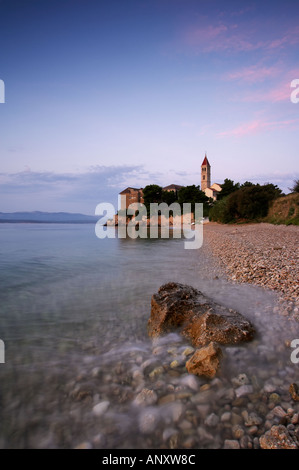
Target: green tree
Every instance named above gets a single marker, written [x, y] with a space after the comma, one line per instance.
[169, 197]
[152, 193]
[192, 194]
[228, 187]
[250, 202]
[295, 188]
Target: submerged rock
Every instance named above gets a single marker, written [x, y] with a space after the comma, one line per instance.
[179, 306]
[205, 361]
[277, 437]
[294, 391]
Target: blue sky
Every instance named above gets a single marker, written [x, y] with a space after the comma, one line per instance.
[101, 95]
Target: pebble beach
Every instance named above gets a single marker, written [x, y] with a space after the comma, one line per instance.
[260, 254]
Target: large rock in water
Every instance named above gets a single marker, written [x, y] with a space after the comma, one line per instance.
[178, 306]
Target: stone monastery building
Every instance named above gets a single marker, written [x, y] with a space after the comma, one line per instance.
[131, 195]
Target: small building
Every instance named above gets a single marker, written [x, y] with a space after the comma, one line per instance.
[130, 196]
[173, 187]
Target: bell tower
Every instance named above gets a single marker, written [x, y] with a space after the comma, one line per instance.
[205, 174]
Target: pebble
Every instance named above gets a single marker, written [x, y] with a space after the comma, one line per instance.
[212, 420]
[242, 379]
[226, 416]
[191, 382]
[253, 420]
[243, 391]
[231, 444]
[101, 408]
[279, 411]
[188, 351]
[148, 420]
[238, 431]
[146, 397]
[274, 398]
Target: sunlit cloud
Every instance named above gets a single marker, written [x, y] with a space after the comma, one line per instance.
[258, 125]
[232, 37]
[253, 73]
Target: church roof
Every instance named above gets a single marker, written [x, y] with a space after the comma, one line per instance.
[175, 187]
[205, 161]
[127, 190]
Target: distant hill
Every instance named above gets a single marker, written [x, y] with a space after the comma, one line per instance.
[46, 217]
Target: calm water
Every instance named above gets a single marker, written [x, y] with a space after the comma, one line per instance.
[73, 317]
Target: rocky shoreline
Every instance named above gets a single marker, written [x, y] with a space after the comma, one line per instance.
[260, 254]
[252, 401]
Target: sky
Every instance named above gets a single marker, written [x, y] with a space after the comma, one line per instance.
[99, 95]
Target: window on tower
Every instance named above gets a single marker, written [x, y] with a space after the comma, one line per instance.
[203, 177]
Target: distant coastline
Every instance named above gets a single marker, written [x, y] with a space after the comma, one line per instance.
[38, 217]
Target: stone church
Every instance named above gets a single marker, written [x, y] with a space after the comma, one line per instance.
[209, 190]
[131, 195]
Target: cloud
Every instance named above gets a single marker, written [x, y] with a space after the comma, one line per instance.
[243, 37]
[30, 190]
[253, 73]
[218, 38]
[258, 125]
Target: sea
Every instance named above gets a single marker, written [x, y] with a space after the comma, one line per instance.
[79, 369]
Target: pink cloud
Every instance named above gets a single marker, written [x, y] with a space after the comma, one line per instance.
[278, 92]
[235, 38]
[257, 126]
[253, 73]
[218, 38]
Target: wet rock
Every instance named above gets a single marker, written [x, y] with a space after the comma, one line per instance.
[84, 445]
[252, 419]
[146, 397]
[205, 361]
[243, 391]
[178, 306]
[279, 412]
[231, 444]
[166, 399]
[101, 408]
[277, 437]
[148, 420]
[175, 411]
[191, 382]
[269, 387]
[294, 391]
[242, 379]
[212, 420]
[238, 431]
[225, 417]
[274, 398]
[188, 351]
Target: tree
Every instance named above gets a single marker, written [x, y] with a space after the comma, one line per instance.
[192, 194]
[169, 197]
[295, 188]
[228, 187]
[152, 193]
[250, 202]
